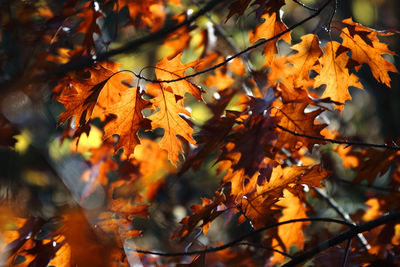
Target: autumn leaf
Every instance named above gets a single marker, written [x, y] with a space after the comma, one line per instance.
[128, 119]
[306, 59]
[89, 24]
[290, 234]
[210, 138]
[170, 69]
[178, 40]
[144, 173]
[205, 213]
[293, 117]
[237, 7]
[219, 80]
[335, 74]
[81, 94]
[366, 48]
[167, 117]
[371, 164]
[148, 13]
[290, 178]
[261, 195]
[252, 150]
[271, 26]
[85, 242]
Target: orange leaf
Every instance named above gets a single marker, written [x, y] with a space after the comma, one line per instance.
[170, 69]
[205, 213]
[335, 74]
[167, 117]
[366, 48]
[81, 94]
[149, 13]
[271, 26]
[290, 234]
[128, 121]
[89, 25]
[308, 52]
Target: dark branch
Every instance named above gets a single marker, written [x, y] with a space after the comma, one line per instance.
[339, 210]
[342, 237]
[239, 240]
[346, 252]
[241, 52]
[342, 142]
[373, 187]
[135, 44]
[305, 6]
[264, 247]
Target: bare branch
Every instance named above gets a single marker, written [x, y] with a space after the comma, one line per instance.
[135, 44]
[243, 51]
[305, 6]
[339, 210]
[240, 239]
[346, 252]
[342, 142]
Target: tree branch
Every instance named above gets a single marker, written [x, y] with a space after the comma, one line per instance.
[343, 237]
[339, 210]
[305, 6]
[135, 44]
[264, 247]
[334, 141]
[241, 52]
[238, 240]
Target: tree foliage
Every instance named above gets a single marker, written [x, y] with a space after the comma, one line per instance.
[261, 152]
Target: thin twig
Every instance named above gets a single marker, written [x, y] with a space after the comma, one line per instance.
[346, 252]
[339, 210]
[342, 142]
[228, 59]
[135, 44]
[264, 247]
[238, 240]
[373, 187]
[342, 237]
[305, 6]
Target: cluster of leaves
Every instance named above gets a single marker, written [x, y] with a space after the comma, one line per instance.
[265, 130]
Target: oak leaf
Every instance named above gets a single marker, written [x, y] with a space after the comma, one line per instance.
[89, 24]
[290, 234]
[293, 117]
[253, 139]
[271, 26]
[80, 94]
[149, 13]
[205, 213]
[366, 48]
[170, 69]
[128, 119]
[306, 59]
[335, 74]
[167, 117]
